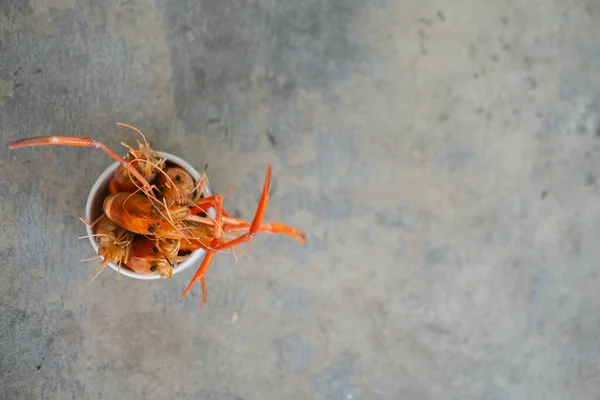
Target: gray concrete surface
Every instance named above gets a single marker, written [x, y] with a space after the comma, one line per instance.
[443, 157]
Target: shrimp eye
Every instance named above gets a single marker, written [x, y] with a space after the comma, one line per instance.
[153, 268]
[151, 229]
[177, 178]
[155, 249]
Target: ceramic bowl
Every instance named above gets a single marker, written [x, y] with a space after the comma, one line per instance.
[93, 210]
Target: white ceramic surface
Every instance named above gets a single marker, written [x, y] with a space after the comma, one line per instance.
[93, 210]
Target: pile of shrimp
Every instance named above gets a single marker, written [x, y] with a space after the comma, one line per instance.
[155, 214]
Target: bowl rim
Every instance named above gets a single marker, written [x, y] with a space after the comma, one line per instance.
[100, 184]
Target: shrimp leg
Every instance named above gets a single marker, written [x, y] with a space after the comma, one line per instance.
[77, 141]
[234, 225]
[218, 245]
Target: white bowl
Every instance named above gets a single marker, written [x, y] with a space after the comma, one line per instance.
[93, 210]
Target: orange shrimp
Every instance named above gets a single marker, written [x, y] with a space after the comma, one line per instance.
[176, 185]
[139, 214]
[114, 243]
[145, 160]
[148, 256]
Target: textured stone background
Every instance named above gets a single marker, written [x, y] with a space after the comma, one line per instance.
[442, 155]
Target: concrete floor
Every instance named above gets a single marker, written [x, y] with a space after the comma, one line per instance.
[443, 157]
